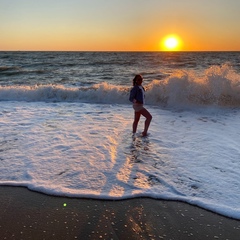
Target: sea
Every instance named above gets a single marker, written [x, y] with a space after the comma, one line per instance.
[66, 126]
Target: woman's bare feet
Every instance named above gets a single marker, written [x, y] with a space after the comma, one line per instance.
[144, 134]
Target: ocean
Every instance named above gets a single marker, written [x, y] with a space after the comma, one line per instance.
[66, 126]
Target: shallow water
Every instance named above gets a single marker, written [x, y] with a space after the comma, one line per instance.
[66, 123]
[87, 150]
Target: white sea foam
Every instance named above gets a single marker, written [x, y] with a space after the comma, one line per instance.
[219, 85]
[87, 150]
[98, 93]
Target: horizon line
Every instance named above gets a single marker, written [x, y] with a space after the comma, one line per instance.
[161, 51]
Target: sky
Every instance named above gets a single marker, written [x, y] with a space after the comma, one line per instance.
[119, 25]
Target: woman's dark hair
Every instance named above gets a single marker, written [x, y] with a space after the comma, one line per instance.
[138, 76]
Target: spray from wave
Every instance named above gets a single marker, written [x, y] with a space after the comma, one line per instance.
[218, 85]
[98, 93]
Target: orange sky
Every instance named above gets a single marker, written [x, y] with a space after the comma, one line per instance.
[126, 25]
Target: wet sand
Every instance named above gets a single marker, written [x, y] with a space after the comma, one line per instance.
[30, 215]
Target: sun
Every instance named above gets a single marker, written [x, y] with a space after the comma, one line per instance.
[171, 43]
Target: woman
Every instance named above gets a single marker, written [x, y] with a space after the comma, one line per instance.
[137, 97]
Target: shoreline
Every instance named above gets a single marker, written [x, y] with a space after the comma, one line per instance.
[31, 215]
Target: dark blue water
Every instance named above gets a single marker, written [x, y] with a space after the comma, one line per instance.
[118, 68]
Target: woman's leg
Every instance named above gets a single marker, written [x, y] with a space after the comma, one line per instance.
[136, 120]
[148, 117]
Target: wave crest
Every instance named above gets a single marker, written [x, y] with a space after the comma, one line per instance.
[98, 93]
[219, 85]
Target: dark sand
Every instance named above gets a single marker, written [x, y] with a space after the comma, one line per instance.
[31, 215]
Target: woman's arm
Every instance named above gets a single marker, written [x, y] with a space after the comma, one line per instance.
[133, 94]
[136, 95]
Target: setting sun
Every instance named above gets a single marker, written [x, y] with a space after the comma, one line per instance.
[171, 43]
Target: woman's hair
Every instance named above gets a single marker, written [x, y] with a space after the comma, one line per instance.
[138, 76]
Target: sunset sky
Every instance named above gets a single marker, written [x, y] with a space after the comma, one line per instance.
[119, 25]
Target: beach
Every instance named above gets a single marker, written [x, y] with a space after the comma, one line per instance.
[30, 215]
[70, 167]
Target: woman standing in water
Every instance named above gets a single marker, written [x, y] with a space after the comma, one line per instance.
[137, 97]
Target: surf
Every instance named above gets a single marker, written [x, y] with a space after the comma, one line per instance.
[216, 86]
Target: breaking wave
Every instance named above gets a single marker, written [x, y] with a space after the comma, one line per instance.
[219, 85]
